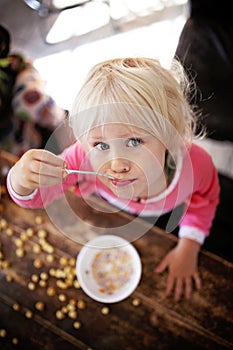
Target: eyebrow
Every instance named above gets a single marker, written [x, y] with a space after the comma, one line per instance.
[126, 135]
[95, 137]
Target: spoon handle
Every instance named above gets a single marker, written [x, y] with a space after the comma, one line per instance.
[71, 171]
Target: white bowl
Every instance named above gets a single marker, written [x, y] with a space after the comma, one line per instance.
[108, 268]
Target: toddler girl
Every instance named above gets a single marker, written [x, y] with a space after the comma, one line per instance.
[133, 122]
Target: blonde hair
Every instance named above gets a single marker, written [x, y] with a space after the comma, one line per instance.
[139, 92]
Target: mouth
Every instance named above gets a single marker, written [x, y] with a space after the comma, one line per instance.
[122, 182]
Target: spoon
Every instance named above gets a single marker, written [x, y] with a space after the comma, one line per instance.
[71, 171]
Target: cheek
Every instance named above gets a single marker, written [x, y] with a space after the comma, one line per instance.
[96, 158]
[151, 162]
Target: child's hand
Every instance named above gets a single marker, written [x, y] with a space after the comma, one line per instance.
[36, 168]
[181, 263]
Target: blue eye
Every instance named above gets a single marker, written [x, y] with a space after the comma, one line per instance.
[101, 146]
[134, 142]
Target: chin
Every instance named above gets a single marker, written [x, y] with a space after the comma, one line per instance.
[124, 193]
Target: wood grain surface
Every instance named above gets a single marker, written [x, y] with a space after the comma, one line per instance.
[145, 320]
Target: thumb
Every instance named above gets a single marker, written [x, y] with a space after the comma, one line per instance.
[162, 266]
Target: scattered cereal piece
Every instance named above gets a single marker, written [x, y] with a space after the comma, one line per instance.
[28, 314]
[37, 249]
[18, 242]
[42, 241]
[61, 284]
[63, 261]
[38, 263]
[3, 224]
[34, 278]
[59, 315]
[70, 307]
[43, 283]
[52, 272]
[72, 314]
[16, 307]
[2, 333]
[38, 220]
[42, 233]
[72, 302]
[40, 306]
[69, 283]
[44, 276]
[23, 236]
[76, 284]
[81, 304]
[31, 286]
[51, 291]
[15, 341]
[6, 264]
[9, 278]
[9, 231]
[136, 302]
[29, 232]
[77, 325]
[105, 310]
[72, 262]
[50, 258]
[20, 252]
[60, 273]
[70, 277]
[62, 297]
[3, 187]
[48, 248]
[64, 310]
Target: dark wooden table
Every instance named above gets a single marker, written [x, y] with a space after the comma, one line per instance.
[66, 318]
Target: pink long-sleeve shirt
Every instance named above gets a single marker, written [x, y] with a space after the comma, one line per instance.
[195, 184]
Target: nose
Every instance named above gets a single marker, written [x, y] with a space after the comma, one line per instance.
[119, 165]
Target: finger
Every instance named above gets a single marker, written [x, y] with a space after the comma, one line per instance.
[50, 170]
[197, 280]
[45, 180]
[42, 174]
[43, 162]
[161, 267]
[170, 284]
[37, 180]
[163, 264]
[178, 289]
[188, 288]
[45, 156]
